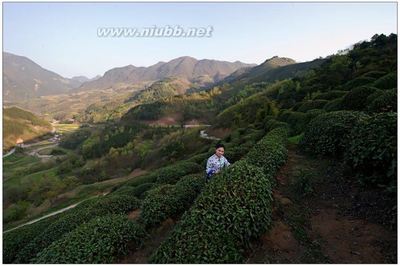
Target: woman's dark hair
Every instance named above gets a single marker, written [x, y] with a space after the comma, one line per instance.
[219, 145]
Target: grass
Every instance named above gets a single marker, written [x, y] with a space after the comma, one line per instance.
[16, 163]
[295, 139]
[31, 178]
[65, 128]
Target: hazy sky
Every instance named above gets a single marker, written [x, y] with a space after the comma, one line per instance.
[62, 37]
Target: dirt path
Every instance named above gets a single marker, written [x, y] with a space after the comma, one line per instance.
[9, 153]
[311, 224]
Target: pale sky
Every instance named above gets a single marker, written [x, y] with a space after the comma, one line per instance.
[62, 37]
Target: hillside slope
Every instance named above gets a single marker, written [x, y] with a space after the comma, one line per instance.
[21, 124]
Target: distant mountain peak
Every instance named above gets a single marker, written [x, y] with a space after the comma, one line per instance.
[185, 67]
[279, 61]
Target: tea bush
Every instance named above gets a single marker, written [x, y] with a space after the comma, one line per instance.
[234, 208]
[75, 217]
[386, 82]
[308, 105]
[330, 95]
[334, 105]
[170, 200]
[372, 151]
[328, 134]
[356, 99]
[384, 101]
[270, 152]
[14, 240]
[296, 120]
[101, 240]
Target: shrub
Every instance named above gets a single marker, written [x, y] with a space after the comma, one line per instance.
[167, 175]
[75, 217]
[386, 82]
[383, 101]
[357, 82]
[157, 204]
[237, 152]
[138, 191]
[334, 105]
[171, 174]
[148, 178]
[187, 189]
[14, 240]
[170, 200]
[373, 148]
[330, 95]
[296, 120]
[311, 114]
[316, 104]
[356, 98]
[270, 152]
[328, 134]
[200, 159]
[15, 211]
[234, 208]
[101, 240]
[272, 124]
[374, 74]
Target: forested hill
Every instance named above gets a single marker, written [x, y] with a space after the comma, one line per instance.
[341, 113]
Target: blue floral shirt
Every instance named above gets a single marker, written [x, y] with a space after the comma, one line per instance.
[215, 164]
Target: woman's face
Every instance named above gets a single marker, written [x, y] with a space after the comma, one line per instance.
[220, 151]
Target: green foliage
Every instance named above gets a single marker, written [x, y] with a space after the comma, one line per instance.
[334, 105]
[270, 152]
[296, 120]
[383, 101]
[157, 205]
[357, 82]
[309, 105]
[171, 174]
[158, 90]
[303, 183]
[374, 74]
[272, 124]
[295, 139]
[170, 200]
[141, 190]
[18, 123]
[328, 134]
[101, 240]
[14, 240]
[16, 211]
[148, 178]
[200, 159]
[75, 139]
[330, 95]
[252, 109]
[287, 93]
[75, 217]
[236, 152]
[18, 113]
[72, 162]
[234, 208]
[372, 150]
[386, 82]
[150, 111]
[357, 97]
[113, 136]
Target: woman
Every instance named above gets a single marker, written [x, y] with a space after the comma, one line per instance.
[217, 161]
